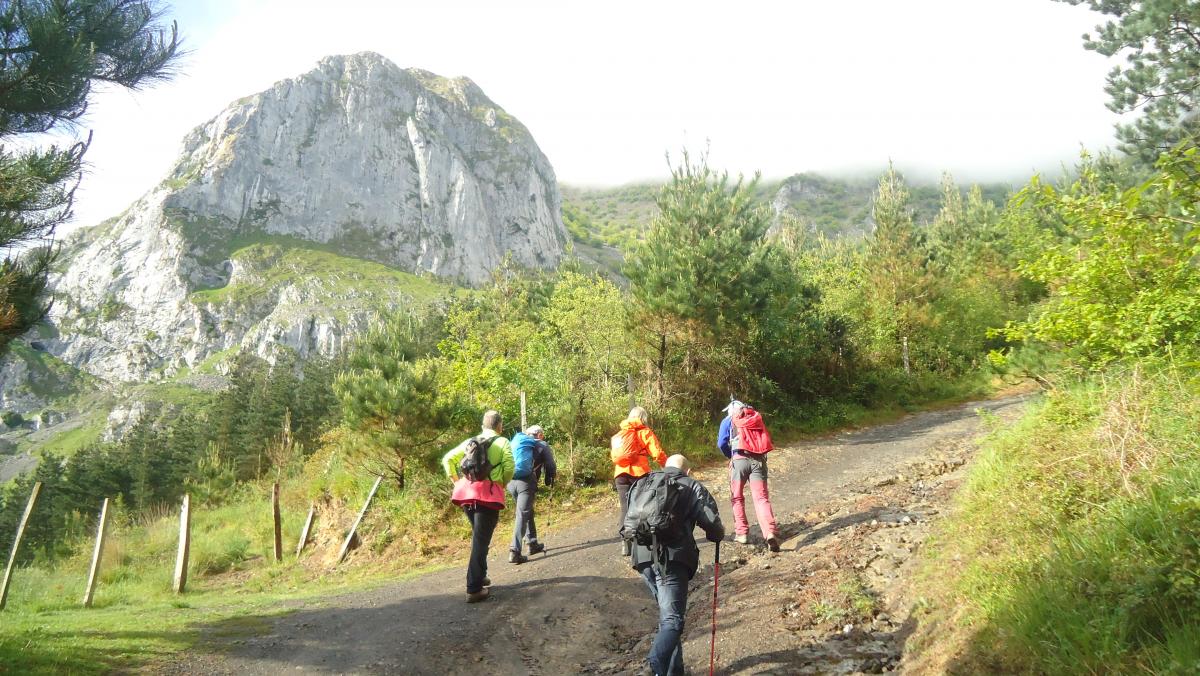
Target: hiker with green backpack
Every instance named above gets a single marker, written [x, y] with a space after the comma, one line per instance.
[480, 467]
[664, 508]
[531, 457]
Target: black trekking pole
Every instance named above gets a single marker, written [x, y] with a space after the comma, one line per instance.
[712, 656]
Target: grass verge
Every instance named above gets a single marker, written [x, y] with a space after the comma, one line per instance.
[1075, 545]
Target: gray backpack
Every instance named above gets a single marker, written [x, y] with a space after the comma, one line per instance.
[655, 514]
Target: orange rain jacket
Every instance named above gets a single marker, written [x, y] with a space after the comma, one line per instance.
[633, 447]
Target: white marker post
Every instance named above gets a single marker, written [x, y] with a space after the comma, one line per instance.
[12, 556]
[185, 543]
[94, 572]
[354, 528]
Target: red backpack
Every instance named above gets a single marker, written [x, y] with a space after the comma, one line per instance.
[753, 436]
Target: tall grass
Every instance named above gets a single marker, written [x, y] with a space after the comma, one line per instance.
[1076, 545]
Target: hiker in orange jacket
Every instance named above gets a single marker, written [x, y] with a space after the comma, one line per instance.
[632, 449]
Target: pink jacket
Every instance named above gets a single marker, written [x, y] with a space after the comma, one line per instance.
[487, 494]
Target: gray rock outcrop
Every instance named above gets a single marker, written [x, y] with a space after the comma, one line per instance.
[292, 217]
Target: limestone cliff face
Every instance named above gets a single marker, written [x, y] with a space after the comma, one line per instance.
[289, 216]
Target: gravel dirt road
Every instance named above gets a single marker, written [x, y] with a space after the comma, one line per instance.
[580, 608]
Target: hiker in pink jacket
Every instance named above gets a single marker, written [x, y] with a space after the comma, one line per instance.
[749, 443]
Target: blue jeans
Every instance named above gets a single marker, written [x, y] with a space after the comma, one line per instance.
[670, 590]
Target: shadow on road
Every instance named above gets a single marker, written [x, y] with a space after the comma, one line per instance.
[426, 633]
[552, 552]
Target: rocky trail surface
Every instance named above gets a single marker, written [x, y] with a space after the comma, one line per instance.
[853, 508]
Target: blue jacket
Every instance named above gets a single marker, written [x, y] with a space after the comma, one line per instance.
[723, 437]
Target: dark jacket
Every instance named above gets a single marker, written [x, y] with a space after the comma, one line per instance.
[543, 459]
[699, 509]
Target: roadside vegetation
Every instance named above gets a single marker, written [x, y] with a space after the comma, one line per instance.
[1075, 546]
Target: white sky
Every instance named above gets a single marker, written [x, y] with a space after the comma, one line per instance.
[985, 89]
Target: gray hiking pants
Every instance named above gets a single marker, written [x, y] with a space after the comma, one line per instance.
[524, 492]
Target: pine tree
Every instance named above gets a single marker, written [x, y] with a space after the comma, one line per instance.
[51, 53]
[390, 395]
[701, 273]
[898, 282]
[1161, 76]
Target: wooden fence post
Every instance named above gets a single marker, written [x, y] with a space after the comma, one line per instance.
[12, 556]
[906, 368]
[185, 543]
[94, 572]
[523, 421]
[304, 531]
[275, 514]
[350, 536]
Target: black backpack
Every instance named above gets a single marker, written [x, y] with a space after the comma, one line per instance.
[655, 511]
[475, 464]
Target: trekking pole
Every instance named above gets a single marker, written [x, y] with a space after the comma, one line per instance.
[712, 656]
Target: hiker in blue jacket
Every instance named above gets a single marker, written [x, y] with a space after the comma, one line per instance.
[531, 456]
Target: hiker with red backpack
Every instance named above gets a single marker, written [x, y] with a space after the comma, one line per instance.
[632, 448]
[531, 456]
[744, 439]
[664, 508]
[480, 467]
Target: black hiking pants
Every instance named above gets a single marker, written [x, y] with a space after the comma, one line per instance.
[483, 524]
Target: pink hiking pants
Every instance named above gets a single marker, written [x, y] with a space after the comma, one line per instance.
[743, 469]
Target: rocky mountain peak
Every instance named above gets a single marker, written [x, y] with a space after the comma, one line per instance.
[289, 215]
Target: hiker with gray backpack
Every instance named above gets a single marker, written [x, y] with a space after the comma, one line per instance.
[531, 457]
[664, 508]
[480, 467]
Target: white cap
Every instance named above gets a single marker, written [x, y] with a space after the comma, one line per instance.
[732, 405]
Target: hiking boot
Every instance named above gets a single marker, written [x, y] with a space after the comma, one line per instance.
[476, 597]
[516, 557]
[742, 538]
[536, 548]
[773, 543]
[487, 581]
[626, 548]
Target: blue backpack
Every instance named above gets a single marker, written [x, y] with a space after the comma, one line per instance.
[522, 450]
